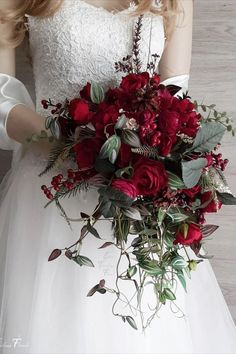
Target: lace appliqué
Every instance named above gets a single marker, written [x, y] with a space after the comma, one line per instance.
[81, 43]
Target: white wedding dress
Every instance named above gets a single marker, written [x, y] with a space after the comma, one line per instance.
[44, 307]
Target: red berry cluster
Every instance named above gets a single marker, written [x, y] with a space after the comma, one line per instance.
[58, 183]
[200, 216]
[219, 162]
[47, 192]
[47, 104]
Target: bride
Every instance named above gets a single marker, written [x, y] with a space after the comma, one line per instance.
[43, 305]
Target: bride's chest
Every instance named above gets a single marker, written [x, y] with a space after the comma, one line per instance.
[81, 43]
[79, 30]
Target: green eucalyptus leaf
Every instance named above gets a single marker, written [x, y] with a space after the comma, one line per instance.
[96, 93]
[110, 148]
[208, 136]
[175, 182]
[192, 171]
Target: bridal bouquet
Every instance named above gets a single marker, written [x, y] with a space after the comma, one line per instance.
[154, 160]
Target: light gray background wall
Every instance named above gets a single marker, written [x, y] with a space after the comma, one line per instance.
[213, 78]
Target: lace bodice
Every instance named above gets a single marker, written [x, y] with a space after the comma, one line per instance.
[81, 43]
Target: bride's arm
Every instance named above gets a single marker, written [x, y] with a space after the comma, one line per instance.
[174, 66]
[18, 119]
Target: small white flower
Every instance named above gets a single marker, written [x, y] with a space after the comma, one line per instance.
[131, 124]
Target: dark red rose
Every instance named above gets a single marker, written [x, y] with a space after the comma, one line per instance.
[168, 122]
[166, 100]
[125, 186]
[194, 234]
[155, 80]
[67, 126]
[134, 82]
[149, 176]
[86, 152]
[79, 111]
[106, 114]
[85, 92]
[192, 192]
[188, 117]
[166, 144]
[124, 156]
[214, 205]
[145, 117]
[190, 125]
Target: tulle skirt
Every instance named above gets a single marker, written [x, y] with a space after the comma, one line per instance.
[45, 307]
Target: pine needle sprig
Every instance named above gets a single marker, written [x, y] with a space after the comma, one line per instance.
[147, 151]
[59, 152]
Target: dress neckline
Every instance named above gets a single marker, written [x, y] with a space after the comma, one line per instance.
[110, 12]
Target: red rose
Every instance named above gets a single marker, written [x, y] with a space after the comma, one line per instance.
[134, 82]
[106, 115]
[213, 206]
[124, 156]
[67, 126]
[166, 144]
[86, 152]
[79, 111]
[125, 186]
[192, 192]
[168, 122]
[194, 234]
[85, 92]
[155, 80]
[149, 176]
[145, 117]
[188, 117]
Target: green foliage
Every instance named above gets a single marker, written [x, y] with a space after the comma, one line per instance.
[208, 136]
[214, 115]
[96, 93]
[110, 148]
[192, 171]
[226, 198]
[175, 182]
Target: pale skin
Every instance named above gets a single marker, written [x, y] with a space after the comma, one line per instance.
[176, 60]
